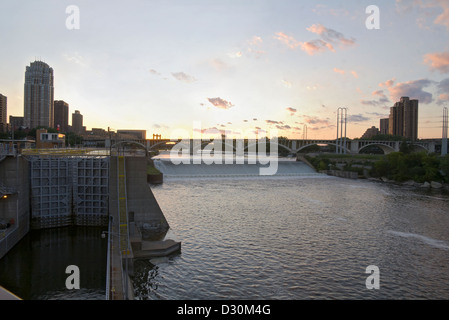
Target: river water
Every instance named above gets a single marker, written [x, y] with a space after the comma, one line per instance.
[296, 236]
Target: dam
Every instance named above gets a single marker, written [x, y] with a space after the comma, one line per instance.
[56, 189]
[285, 167]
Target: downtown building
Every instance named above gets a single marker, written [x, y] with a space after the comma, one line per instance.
[77, 122]
[3, 113]
[39, 95]
[403, 120]
[61, 115]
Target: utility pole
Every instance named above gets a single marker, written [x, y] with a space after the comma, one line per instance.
[444, 138]
[341, 122]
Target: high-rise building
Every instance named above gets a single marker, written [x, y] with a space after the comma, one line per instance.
[3, 119]
[15, 122]
[77, 122]
[370, 132]
[61, 115]
[39, 95]
[384, 126]
[403, 120]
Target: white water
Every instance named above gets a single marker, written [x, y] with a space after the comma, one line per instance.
[285, 167]
[429, 241]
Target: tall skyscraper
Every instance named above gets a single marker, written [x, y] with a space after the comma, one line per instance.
[61, 115]
[39, 95]
[384, 126]
[403, 120]
[77, 122]
[3, 119]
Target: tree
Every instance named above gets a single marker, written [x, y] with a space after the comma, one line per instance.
[444, 167]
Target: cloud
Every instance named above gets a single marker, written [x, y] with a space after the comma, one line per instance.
[438, 61]
[412, 89]
[283, 127]
[234, 55]
[291, 110]
[75, 58]
[181, 76]
[160, 126]
[316, 120]
[286, 83]
[331, 35]
[357, 118]
[154, 72]
[329, 38]
[316, 46]
[254, 46]
[380, 101]
[218, 64]
[289, 41]
[427, 9]
[273, 122]
[340, 71]
[220, 103]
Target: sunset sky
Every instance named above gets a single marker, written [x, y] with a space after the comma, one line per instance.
[233, 64]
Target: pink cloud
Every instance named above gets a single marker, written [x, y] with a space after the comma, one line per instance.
[340, 71]
[412, 89]
[289, 41]
[291, 110]
[316, 46]
[220, 103]
[331, 35]
[438, 61]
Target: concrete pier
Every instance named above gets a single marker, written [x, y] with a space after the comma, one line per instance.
[146, 226]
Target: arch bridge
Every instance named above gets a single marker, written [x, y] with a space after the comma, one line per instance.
[291, 145]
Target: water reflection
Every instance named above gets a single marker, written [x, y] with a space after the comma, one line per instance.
[35, 267]
[300, 238]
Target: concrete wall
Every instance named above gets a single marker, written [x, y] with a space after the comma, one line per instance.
[16, 208]
[142, 205]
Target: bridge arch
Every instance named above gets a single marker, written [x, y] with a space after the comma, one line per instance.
[384, 147]
[158, 144]
[117, 144]
[420, 146]
[279, 145]
[317, 143]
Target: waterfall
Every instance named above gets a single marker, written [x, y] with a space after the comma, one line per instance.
[190, 170]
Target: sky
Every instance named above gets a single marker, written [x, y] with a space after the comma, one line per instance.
[236, 65]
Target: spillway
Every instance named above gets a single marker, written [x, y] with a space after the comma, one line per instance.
[191, 170]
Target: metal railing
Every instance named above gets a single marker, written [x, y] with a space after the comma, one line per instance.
[123, 218]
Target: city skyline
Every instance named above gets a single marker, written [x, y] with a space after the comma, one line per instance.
[233, 65]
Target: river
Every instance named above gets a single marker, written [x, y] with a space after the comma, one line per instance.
[297, 236]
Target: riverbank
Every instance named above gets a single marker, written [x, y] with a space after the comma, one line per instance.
[419, 170]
